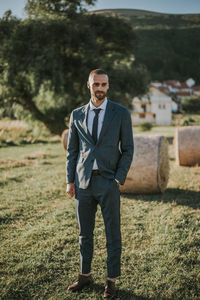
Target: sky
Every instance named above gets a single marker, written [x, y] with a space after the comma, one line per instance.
[165, 6]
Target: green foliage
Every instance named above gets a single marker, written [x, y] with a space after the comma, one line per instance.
[187, 121]
[56, 7]
[174, 41]
[168, 44]
[166, 59]
[174, 47]
[146, 126]
[191, 104]
[45, 62]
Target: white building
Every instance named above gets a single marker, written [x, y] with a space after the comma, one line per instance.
[155, 107]
[175, 106]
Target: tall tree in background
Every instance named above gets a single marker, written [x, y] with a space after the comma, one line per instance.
[45, 59]
[56, 7]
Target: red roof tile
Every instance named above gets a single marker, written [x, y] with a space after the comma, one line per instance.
[183, 93]
[173, 83]
[196, 88]
[184, 85]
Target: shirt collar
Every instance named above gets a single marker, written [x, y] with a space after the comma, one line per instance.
[102, 106]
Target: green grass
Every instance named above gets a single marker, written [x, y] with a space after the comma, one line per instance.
[167, 131]
[39, 254]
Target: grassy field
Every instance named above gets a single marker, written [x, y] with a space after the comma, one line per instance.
[39, 254]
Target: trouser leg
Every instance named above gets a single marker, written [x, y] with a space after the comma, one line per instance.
[109, 200]
[86, 207]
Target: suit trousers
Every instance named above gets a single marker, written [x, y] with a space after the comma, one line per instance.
[105, 192]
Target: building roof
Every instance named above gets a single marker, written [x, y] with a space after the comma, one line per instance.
[183, 93]
[154, 95]
[196, 88]
[172, 83]
[184, 86]
[164, 89]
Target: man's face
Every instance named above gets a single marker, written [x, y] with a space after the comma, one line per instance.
[98, 85]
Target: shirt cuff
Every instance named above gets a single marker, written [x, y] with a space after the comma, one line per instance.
[117, 181]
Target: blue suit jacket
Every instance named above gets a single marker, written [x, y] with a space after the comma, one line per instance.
[113, 151]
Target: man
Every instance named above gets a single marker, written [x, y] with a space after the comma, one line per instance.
[99, 154]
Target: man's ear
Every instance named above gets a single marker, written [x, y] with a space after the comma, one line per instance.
[88, 85]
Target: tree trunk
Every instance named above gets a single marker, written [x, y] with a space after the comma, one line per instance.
[55, 126]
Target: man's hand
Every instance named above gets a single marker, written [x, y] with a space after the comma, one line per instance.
[70, 189]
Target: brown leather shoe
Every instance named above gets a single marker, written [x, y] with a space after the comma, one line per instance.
[80, 283]
[110, 290]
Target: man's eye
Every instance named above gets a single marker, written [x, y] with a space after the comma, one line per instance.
[104, 84]
[96, 84]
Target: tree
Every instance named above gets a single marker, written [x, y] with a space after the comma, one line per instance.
[45, 60]
[38, 8]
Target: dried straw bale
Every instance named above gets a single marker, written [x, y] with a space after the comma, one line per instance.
[64, 138]
[149, 170]
[187, 145]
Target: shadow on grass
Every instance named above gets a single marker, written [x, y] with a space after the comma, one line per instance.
[121, 294]
[17, 179]
[176, 196]
[9, 218]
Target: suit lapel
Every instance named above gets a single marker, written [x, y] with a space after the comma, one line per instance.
[84, 117]
[109, 114]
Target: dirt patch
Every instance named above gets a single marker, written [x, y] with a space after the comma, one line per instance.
[37, 155]
[10, 163]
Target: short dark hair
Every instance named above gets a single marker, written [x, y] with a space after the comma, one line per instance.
[98, 72]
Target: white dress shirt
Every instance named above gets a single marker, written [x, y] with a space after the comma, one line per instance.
[91, 115]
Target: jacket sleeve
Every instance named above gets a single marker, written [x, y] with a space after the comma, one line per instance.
[127, 148]
[72, 151]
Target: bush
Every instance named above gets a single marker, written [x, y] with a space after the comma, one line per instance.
[16, 132]
[146, 126]
[188, 122]
[191, 104]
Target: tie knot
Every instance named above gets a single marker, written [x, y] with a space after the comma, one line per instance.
[97, 111]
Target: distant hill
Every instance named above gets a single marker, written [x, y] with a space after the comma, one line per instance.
[169, 44]
[127, 12]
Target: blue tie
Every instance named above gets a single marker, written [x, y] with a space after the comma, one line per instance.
[95, 124]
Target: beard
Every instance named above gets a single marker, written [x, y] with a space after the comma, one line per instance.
[100, 95]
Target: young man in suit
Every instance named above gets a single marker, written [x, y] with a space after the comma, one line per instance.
[99, 154]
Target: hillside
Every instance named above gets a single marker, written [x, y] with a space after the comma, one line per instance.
[126, 12]
[168, 43]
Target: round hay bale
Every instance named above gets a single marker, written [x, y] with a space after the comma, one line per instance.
[187, 145]
[149, 170]
[64, 138]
